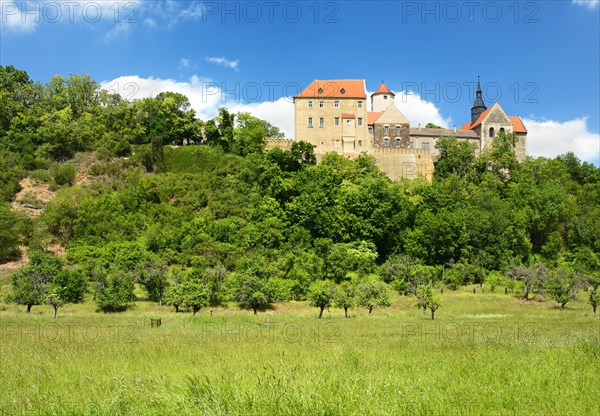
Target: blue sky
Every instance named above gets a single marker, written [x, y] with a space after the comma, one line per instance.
[540, 60]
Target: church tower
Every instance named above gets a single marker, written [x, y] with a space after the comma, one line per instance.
[382, 98]
[478, 106]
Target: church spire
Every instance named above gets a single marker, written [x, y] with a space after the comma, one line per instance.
[478, 106]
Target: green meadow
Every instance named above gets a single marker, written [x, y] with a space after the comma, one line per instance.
[484, 354]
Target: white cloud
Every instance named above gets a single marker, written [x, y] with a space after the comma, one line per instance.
[551, 138]
[417, 110]
[590, 4]
[184, 63]
[27, 15]
[223, 61]
[14, 17]
[206, 96]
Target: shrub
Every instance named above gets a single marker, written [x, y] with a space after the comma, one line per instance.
[63, 174]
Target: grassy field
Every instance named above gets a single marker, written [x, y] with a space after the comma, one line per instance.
[485, 354]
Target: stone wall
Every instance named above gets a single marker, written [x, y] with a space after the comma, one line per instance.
[379, 135]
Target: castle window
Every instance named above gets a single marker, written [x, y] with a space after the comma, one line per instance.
[502, 130]
[310, 122]
[425, 145]
[348, 122]
[385, 97]
[322, 143]
[397, 142]
[321, 122]
[411, 145]
[491, 132]
[386, 129]
[337, 121]
[386, 142]
[398, 130]
[360, 121]
[370, 130]
[336, 104]
[360, 143]
[310, 104]
[360, 104]
[321, 104]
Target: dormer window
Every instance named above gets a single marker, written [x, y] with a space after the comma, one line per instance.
[342, 91]
[320, 90]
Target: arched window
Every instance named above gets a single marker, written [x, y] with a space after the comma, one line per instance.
[491, 132]
[501, 129]
[386, 142]
[397, 142]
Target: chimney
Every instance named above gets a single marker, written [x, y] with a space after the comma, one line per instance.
[419, 127]
[455, 128]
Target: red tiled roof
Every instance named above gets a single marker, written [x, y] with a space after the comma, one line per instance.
[383, 90]
[518, 126]
[482, 116]
[346, 115]
[372, 116]
[351, 88]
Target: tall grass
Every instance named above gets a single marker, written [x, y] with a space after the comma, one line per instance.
[484, 354]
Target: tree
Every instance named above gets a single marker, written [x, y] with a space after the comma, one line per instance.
[153, 276]
[494, 278]
[432, 126]
[251, 134]
[373, 292]
[67, 287]
[9, 234]
[423, 293]
[254, 293]
[434, 303]
[426, 298]
[30, 283]
[533, 278]
[456, 157]
[320, 295]
[594, 298]
[174, 293]
[115, 291]
[195, 295]
[345, 296]
[303, 153]
[563, 285]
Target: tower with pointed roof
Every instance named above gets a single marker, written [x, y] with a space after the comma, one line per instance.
[478, 106]
[382, 98]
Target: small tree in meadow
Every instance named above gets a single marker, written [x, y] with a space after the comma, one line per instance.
[423, 293]
[195, 294]
[115, 291]
[320, 295]
[372, 292]
[533, 278]
[345, 296]
[67, 287]
[593, 299]
[434, 303]
[30, 283]
[494, 279]
[563, 285]
[254, 293]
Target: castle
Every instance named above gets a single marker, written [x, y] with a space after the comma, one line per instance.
[333, 116]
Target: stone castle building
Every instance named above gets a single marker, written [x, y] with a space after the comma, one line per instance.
[333, 116]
